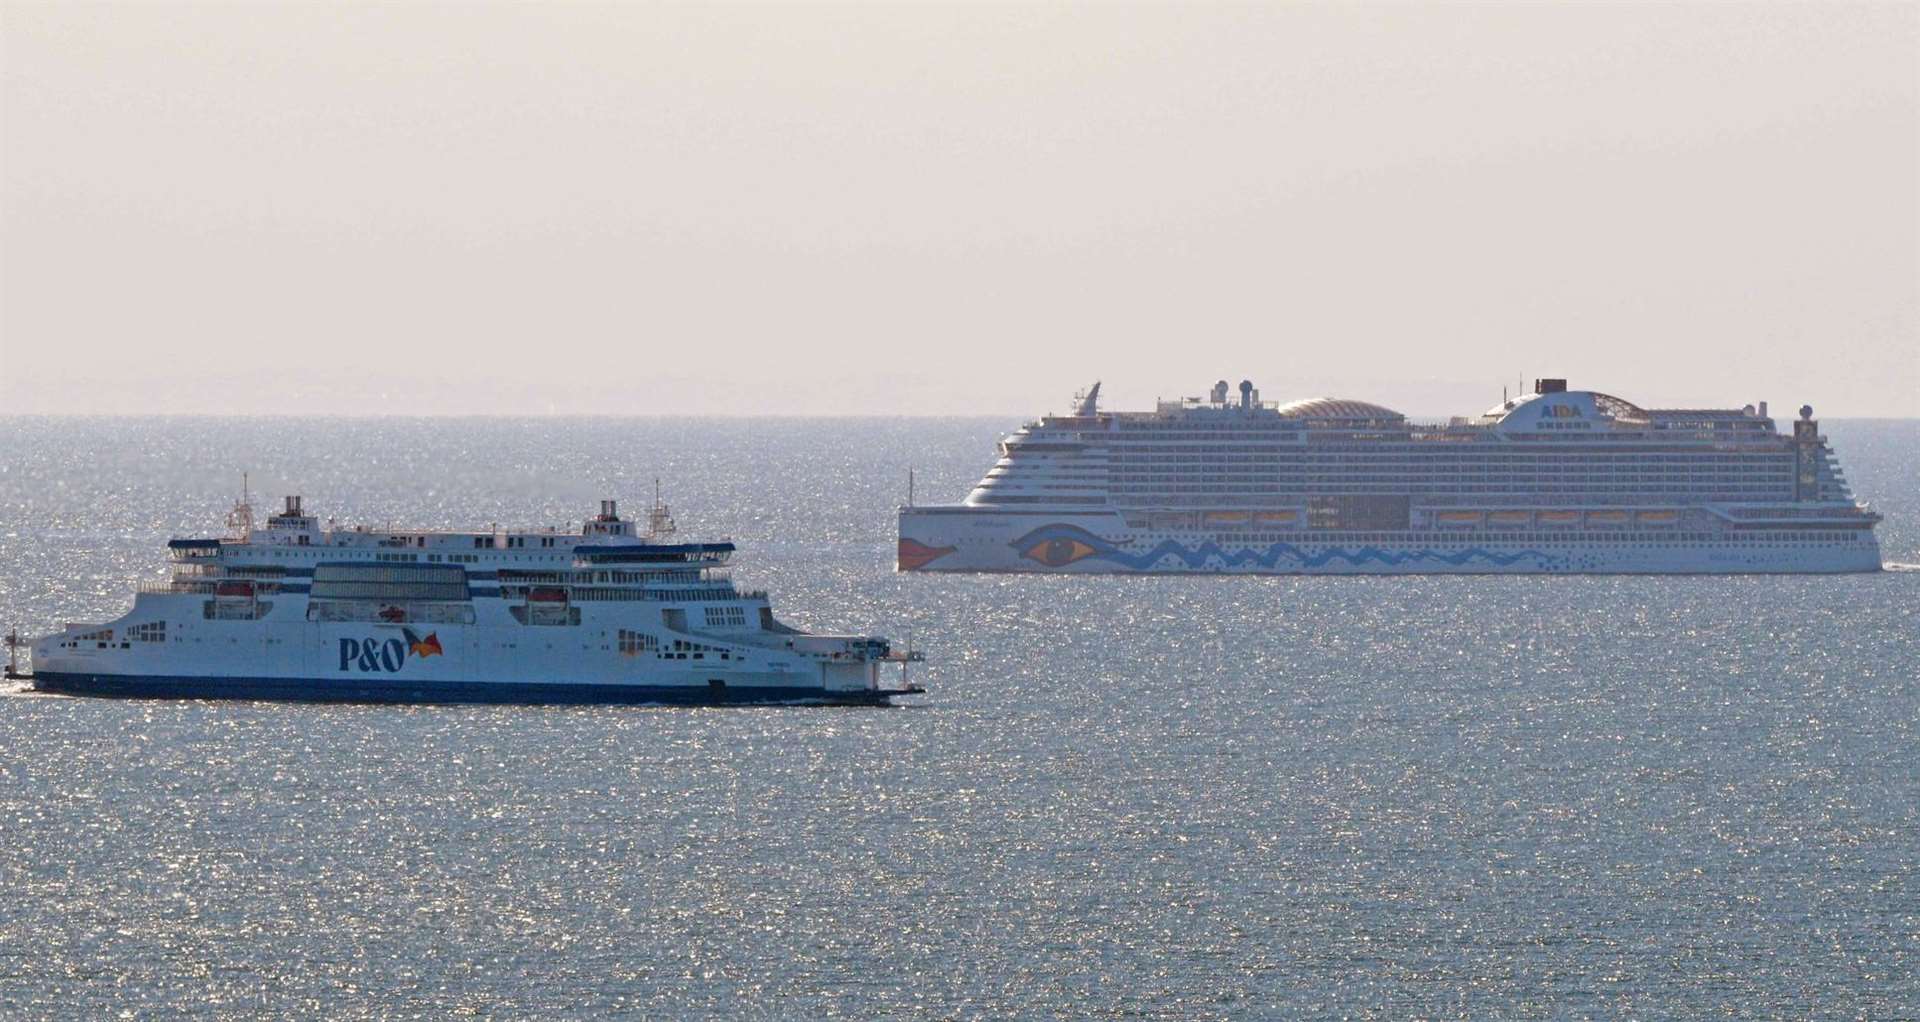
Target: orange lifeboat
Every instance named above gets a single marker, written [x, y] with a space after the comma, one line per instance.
[1510, 517]
[1657, 517]
[1459, 517]
[1559, 517]
[1607, 517]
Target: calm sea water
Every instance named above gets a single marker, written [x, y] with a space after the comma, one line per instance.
[1123, 797]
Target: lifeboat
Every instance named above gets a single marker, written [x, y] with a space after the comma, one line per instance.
[546, 594]
[1559, 517]
[240, 589]
[1510, 517]
[1606, 517]
[1277, 517]
[1226, 518]
[1459, 517]
[1657, 517]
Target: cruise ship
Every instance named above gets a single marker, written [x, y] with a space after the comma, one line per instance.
[1557, 480]
[608, 614]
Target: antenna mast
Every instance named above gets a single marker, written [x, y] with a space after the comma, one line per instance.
[240, 519]
[659, 517]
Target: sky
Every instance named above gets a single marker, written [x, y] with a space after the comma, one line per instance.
[898, 209]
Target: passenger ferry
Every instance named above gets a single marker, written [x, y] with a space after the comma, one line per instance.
[606, 615]
[1554, 481]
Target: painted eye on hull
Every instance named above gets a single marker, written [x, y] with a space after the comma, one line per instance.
[1055, 553]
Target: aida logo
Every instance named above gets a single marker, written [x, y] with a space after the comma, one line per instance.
[387, 655]
[1561, 412]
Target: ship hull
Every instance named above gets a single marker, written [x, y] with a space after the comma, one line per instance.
[965, 540]
[331, 690]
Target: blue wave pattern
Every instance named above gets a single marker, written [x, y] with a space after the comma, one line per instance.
[1033, 543]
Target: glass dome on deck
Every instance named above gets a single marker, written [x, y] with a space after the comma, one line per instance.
[1337, 408]
[1590, 406]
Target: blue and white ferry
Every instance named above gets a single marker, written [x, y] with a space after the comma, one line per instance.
[298, 611]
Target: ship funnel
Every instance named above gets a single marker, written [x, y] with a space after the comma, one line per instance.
[1220, 393]
[607, 511]
[293, 506]
[1090, 401]
[1246, 393]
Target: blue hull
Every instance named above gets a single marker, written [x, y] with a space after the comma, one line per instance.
[309, 690]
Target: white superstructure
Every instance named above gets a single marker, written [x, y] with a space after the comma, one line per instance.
[295, 610]
[1554, 481]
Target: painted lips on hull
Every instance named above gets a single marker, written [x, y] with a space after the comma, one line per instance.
[914, 555]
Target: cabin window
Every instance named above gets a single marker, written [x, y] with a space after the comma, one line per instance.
[634, 643]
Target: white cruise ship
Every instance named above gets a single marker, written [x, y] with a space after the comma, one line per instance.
[1555, 481]
[605, 615]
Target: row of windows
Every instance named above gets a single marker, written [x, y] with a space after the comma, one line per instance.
[1443, 450]
[1008, 499]
[1465, 536]
[1665, 464]
[686, 576]
[1431, 480]
[635, 643]
[683, 649]
[1335, 486]
[600, 594]
[317, 553]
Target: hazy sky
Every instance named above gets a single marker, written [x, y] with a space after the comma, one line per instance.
[640, 209]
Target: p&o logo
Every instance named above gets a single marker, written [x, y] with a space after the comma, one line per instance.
[373, 654]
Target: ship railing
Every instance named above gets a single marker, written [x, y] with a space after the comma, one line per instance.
[183, 586]
[176, 587]
[186, 570]
[255, 571]
[555, 578]
[1794, 512]
[602, 593]
[410, 612]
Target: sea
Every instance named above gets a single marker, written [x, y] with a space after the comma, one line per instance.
[1121, 797]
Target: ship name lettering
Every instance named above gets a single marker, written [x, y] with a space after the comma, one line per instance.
[372, 654]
